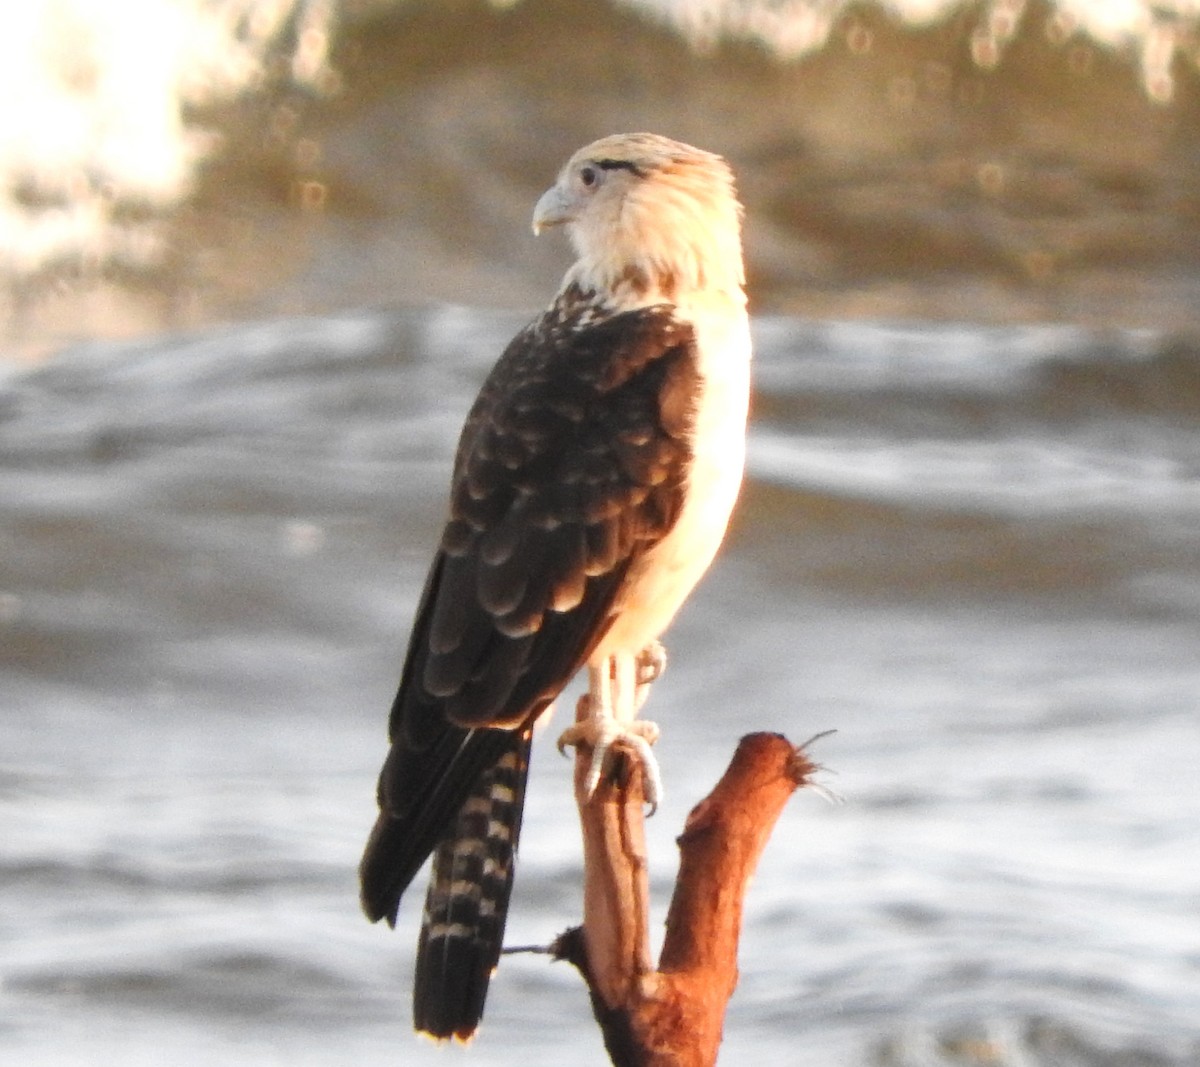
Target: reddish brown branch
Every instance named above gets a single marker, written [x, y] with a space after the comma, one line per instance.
[673, 1016]
[616, 889]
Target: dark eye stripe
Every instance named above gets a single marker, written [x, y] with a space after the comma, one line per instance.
[620, 164]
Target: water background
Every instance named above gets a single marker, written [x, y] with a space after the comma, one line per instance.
[967, 541]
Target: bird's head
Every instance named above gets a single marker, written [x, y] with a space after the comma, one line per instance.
[650, 218]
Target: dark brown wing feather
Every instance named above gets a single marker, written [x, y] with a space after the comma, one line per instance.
[568, 468]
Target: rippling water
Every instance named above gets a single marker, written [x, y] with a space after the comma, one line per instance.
[970, 550]
[967, 542]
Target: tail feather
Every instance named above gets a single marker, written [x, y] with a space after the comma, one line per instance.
[467, 902]
[420, 792]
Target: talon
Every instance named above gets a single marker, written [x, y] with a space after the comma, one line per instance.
[572, 735]
[605, 716]
[651, 662]
[602, 735]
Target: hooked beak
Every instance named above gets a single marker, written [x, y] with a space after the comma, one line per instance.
[552, 209]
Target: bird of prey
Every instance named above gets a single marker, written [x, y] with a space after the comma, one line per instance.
[591, 488]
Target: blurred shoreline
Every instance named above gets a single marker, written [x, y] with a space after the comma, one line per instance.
[888, 175]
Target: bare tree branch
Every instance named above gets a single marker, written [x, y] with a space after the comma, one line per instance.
[673, 1016]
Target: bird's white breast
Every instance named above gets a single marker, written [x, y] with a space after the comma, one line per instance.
[662, 579]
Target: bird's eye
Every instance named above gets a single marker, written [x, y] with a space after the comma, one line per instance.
[588, 176]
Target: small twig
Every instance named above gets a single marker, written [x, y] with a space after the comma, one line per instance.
[533, 950]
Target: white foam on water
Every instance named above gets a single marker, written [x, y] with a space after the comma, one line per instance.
[97, 96]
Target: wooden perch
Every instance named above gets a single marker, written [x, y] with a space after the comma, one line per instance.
[673, 1016]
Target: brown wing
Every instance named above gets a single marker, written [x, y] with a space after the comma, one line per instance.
[572, 463]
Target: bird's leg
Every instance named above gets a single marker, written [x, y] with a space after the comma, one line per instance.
[617, 689]
[651, 662]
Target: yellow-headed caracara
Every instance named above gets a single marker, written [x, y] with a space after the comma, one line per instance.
[592, 486]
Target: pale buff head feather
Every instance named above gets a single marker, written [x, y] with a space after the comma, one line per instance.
[650, 218]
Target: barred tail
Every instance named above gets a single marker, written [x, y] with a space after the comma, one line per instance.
[467, 903]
